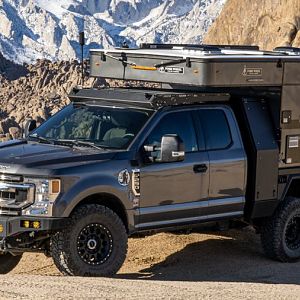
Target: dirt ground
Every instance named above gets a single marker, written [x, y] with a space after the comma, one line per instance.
[198, 265]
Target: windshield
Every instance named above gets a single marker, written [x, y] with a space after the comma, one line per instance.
[105, 127]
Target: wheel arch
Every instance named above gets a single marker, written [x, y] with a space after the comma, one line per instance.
[108, 200]
[292, 188]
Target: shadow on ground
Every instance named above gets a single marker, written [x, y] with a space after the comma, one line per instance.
[237, 257]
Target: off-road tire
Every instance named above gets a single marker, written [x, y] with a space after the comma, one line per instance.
[8, 262]
[274, 232]
[64, 244]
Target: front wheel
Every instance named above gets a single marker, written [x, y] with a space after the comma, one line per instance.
[94, 243]
[8, 262]
[280, 235]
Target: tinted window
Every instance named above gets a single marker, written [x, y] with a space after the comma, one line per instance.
[175, 123]
[215, 127]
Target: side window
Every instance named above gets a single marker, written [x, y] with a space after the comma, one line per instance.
[215, 127]
[179, 123]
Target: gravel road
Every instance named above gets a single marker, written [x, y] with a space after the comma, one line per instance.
[227, 265]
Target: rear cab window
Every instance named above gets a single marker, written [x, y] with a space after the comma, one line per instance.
[213, 125]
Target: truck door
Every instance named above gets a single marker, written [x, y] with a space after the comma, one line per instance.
[227, 160]
[174, 192]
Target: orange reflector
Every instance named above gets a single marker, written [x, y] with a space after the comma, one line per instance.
[55, 186]
[1, 228]
[145, 68]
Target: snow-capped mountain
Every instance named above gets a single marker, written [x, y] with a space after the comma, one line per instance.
[32, 29]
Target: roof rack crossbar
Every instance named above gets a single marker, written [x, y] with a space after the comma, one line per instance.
[205, 47]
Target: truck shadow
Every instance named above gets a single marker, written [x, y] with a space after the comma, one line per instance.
[234, 258]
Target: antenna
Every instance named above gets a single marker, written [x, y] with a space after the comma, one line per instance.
[81, 42]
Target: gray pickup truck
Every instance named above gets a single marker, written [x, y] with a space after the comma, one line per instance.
[118, 161]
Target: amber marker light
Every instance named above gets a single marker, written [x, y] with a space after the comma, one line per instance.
[1, 228]
[54, 186]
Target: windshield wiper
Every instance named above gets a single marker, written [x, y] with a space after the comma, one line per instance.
[78, 143]
[84, 143]
[41, 139]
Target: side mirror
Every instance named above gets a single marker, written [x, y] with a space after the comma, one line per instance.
[172, 148]
[29, 126]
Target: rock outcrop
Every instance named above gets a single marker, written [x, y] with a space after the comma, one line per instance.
[38, 94]
[267, 23]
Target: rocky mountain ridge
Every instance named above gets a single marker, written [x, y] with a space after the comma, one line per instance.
[32, 29]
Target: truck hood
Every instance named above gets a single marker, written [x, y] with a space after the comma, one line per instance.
[37, 155]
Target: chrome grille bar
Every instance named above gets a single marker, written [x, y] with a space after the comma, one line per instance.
[16, 195]
[11, 178]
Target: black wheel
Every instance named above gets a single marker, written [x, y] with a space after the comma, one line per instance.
[280, 235]
[8, 262]
[94, 244]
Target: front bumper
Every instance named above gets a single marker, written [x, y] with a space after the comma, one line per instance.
[10, 226]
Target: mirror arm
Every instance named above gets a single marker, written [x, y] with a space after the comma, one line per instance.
[151, 148]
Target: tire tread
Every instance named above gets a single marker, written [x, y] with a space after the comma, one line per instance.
[60, 245]
[271, 231]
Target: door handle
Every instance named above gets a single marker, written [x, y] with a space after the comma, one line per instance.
[200, 168]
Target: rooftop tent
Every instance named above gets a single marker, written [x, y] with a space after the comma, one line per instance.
[199, 65]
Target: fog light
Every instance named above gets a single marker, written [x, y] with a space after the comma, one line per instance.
[26, 224]
[36, 224]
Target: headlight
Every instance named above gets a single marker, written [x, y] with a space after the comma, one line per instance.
[46, 192]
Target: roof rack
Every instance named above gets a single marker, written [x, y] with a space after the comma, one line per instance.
[151, 99]
[198, 46]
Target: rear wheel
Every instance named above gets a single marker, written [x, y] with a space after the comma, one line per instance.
[94, 244]
[280, 235]
[8, 262]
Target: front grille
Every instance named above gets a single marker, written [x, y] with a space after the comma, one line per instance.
[11, 178]
[7, 195]
[18, 195]
[15, 195]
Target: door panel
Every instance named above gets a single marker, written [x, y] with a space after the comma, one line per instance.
[171, 191]
[227, 173]
[227, 160]
[227, 179]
